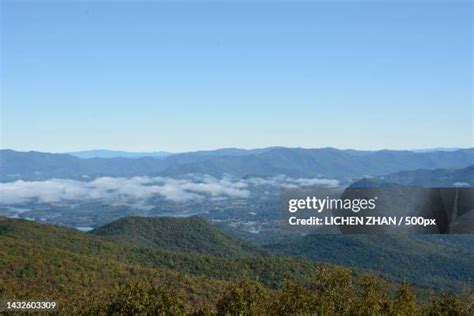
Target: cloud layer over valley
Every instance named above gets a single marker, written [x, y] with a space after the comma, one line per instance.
[127, 190]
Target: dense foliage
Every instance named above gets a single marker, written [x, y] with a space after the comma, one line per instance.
[182, 234]
[429, 261]
[270, 270]
[333, 291]
[86, 273]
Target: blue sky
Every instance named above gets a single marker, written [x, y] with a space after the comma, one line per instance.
[201, 75]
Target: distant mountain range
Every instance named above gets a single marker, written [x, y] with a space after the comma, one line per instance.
[436, 149]
[295, 162]
[103, 153]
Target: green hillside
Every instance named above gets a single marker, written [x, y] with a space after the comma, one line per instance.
[192, 234]
[268, 269]
[428, 261]
[441, 262]
[76, 281]
[90, 274]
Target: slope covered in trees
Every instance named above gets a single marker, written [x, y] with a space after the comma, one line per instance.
[93, 274]
[428, 261]
[178, 234]
[270, 270]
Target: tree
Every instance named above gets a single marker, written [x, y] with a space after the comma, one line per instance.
[292, 299]
[405, 301]
[333, 289]
[243, 298]
[447, 304]
[373, 298]
[141, 298]
[203, 310]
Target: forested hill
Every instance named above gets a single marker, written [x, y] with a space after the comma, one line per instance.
[430, 261]
[177, 234]
[191, 245]
[270, 270]
[90, 274]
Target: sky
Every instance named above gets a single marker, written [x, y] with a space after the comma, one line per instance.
[193, 75]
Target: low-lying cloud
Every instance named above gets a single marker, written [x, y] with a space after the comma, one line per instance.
[287, 182]
[127, 190]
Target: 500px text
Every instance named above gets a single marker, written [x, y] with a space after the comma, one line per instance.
[362, 221]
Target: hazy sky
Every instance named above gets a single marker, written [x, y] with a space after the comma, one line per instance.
[200, 75]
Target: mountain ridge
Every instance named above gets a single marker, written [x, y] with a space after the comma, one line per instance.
[296, 162]
[105, 153]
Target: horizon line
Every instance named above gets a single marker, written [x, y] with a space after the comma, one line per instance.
[236, 148]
